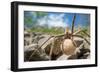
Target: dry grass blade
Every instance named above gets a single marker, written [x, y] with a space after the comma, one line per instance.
[86, 33]
[73, 23]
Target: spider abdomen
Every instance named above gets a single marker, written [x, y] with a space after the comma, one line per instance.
[68, 47]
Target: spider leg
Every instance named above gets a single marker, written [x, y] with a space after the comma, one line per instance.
[82, 32]
[83, 38]
[51, 50]
[39, 47]
[74, 43]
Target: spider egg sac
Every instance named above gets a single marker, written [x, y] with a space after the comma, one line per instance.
[68, 47]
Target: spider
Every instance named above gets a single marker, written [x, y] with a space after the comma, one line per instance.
[66, 42]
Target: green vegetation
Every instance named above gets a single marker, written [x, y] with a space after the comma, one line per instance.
[50, 31]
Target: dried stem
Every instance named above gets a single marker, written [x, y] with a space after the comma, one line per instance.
[73, 23]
